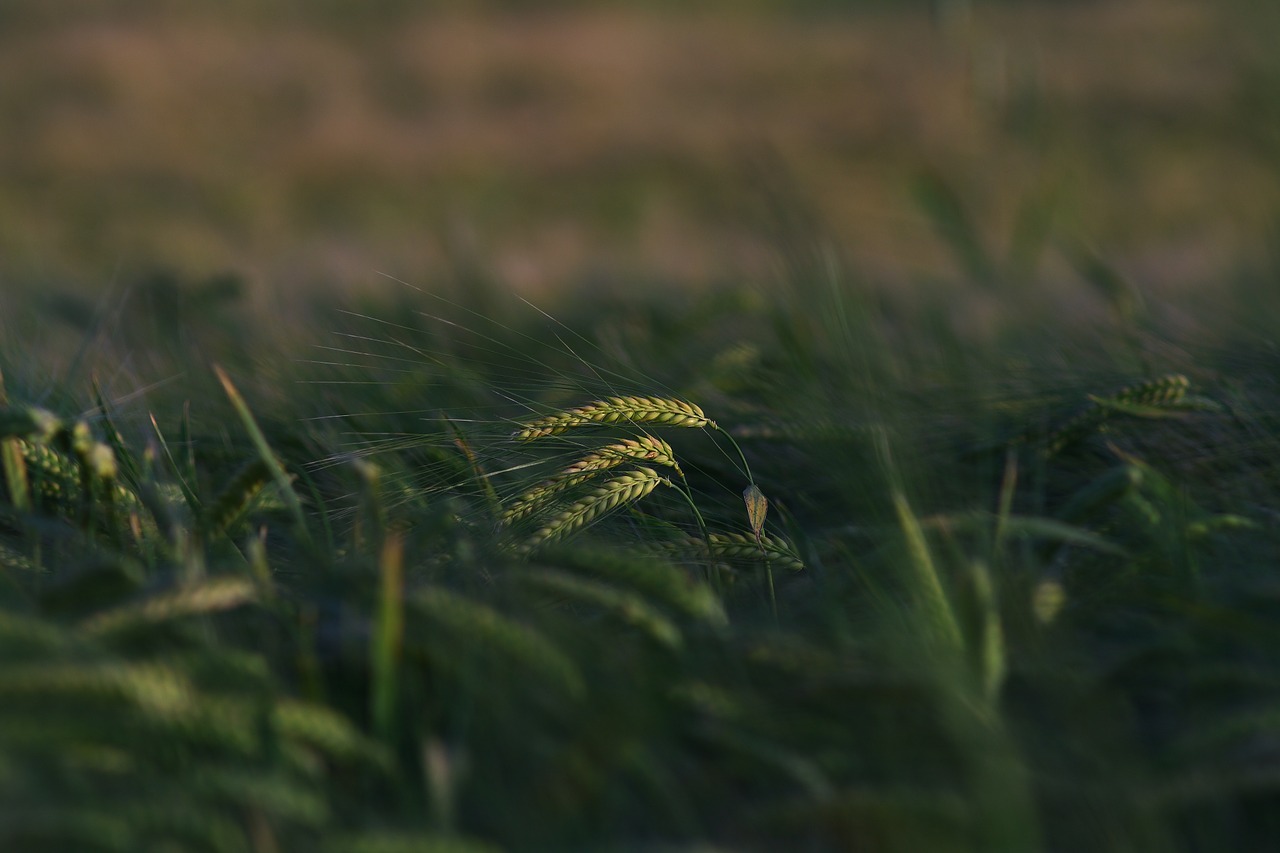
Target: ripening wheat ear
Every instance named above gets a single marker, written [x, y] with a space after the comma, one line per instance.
[1160, 397]
[646, 448]
[617, 410]
[735, 548]
[738, 546]
[62, 468]
[1165, 389]
[624, 489]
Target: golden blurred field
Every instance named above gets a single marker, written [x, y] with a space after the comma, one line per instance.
[303, 144]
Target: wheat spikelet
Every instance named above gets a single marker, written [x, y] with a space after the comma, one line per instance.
[739, 546]
[621, 490]
[1165, 389]
[58, 477]
[628, 605]
[736, 547]
[1165, 392]
[646, 448]
[55, 477]
[236, 498]
[617, 410]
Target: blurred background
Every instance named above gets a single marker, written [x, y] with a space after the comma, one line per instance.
[318, 144]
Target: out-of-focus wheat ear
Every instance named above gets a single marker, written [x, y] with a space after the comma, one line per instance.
[209, 595]
[1164, 389]
[1107, 489]
[53, 477]
[647, 448]
[624, 489]
[617, 410]
[1161, 397]
[655, 577]
[13, 559]
[31, 423]
[328, 731]
[482, 630]
[235, 499]
[627, 605]
[23, 427]
[98, 471]
[1073, 430]
[1049, 595]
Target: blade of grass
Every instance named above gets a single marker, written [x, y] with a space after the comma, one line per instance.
[277, 470]
[935, 609]
[388, 640]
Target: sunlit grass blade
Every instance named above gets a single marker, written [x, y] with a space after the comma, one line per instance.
[933, 607]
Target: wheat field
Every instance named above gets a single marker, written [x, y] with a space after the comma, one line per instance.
[965, 543]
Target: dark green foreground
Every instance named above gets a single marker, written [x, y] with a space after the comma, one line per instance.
[1039, 605]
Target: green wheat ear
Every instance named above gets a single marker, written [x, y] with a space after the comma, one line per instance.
[1163, 396]
[734, 548]
[236, 498]
[620, 491]
[617, 410]
[646, 448]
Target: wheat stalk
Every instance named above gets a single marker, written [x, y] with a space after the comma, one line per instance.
[614, 410]
[624, 489]
[646, 448]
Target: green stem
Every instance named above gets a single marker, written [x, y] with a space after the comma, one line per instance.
[745, 466]
[687, 494]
